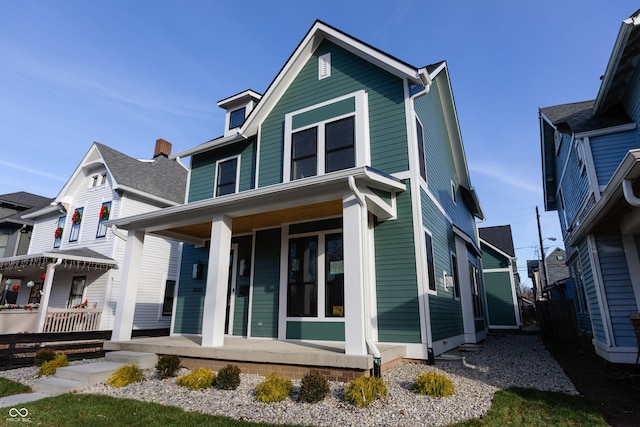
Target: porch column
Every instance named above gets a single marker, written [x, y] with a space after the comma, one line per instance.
[46, 293]
[215, 298]
[466, 295]
[354, 222]
[128, 291]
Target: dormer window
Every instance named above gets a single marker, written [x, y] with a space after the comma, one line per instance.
[236, 118]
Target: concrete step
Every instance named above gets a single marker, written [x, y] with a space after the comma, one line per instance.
[143, 360]
[89, 373]
[19, 399]
[54, 386]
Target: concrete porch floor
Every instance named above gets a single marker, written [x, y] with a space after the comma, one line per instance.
[262, 351]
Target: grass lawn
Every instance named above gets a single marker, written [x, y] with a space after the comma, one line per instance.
[8, 388]
[512, 407]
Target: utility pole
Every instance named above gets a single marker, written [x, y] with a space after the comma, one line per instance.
[543, 276]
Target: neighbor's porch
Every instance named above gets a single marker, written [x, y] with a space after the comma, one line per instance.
[261, 356]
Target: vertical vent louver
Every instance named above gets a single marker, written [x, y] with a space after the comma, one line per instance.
[324, 66]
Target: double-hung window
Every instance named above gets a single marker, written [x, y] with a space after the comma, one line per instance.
[76, 220]
[327, 137]
[57, 236]
[227, 176]
[103, 216]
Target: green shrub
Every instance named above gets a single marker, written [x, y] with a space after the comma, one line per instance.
[364, 390]
[313, 388]
[229, 377]
[273, 389]
[433, 384]
[168, 365]
[44, 355]
[49, 368]
[197, 379]
[126, 375]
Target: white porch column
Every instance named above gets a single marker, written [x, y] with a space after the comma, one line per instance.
[215, 298]
[466, 296]
[46, 294]
[354, 220]
[128, 292]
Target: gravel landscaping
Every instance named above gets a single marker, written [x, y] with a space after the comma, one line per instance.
[503, 361]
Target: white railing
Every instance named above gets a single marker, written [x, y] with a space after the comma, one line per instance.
[72, 319]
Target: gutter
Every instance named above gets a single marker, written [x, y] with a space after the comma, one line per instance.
[629, 195]
[365, 270]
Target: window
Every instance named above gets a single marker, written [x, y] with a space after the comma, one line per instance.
[326, 137]
[34, 293]
[76, 220]
[339, 148]
[453, 192]
[236, 118]
[324, 66]
[4, 241]
[227, 176]
[77, 292]
[103, 216]
[431, 270]
[167, 304]
[97, 180]
[314, 291]
[474, 276]
[421, 158]
[580, 155]
[57, 236]
[456, 278]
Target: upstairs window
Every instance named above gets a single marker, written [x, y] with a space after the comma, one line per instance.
[226, 176]
[431, 270]
[57, 235]
[76, 220]
[97, 180]
[103, 216]
[456, 278]
[421, 157]
[236, 118]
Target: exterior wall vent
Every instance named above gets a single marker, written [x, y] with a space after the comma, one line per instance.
[324, 66]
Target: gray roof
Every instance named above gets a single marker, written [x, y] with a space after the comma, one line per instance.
[579, 117]
[160, 177]
[499, 236]
[24, 199]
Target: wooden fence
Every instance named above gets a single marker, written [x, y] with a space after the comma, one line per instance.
[557, 319]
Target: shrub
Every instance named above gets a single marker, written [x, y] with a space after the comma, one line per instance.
[364, 390]
[313, 388]
[44, 355]
[126, 375]
[433, 384]
[197, 379]
[273, 389]
[168, 365]
[49, 368]
[229, 377]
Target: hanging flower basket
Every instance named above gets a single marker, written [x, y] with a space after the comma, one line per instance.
[16, 287]
[30, 284]
[58, 233]
[7, 282]
[104, 212]
[43, 276]
[77, 217]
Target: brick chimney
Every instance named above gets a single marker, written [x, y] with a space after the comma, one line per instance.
[163, 148]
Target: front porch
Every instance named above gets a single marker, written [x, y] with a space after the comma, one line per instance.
[292, 359]
[25, 320]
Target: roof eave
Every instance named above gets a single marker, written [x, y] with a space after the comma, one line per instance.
[214, 143]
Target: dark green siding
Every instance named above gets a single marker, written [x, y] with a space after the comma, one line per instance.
[349, 74]
[397, 287]
[190, 303]
[499, 298]
[241, 307]
[266, 284]
[203, 169]
[492, 259]
[324, 331]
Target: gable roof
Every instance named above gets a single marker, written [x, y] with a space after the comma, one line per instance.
[23, 199]
[500, 237]
[578, 117]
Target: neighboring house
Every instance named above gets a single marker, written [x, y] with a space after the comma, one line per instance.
[337, 207]
[71, 273]
[559, 284]
[15, 232]
[591, 173]
[501, 279]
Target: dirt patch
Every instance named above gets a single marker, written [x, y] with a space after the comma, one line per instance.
[615, 387]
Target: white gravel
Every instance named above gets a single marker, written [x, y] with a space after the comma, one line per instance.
[503, 361]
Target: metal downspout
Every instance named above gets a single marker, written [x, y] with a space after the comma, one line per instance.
[377, 359]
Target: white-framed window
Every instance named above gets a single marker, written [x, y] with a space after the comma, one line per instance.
[4, 241]
[167, 302]
[76, 221]
[455, 276]
[98, 179]
[76, 293]
[324, 66]
[315, 276]
[227, 176]
[236, 117]
[580, 155]
[431, 268]
[326, 137]
[453, 193]
[103, 216]
[57, 235]
[421, 157]
[474, 279]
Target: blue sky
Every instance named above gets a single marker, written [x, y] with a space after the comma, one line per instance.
[125, 73]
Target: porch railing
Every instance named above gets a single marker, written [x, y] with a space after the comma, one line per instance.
[72, 319]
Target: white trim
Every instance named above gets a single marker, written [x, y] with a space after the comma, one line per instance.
[237, 180]
[175, 291]
[633, 263]
[606, 131]
[256, 180]
[514, 295]
[231, 299]
[600, 291]
[423, 186]
[430, 291]
[453, 193]
[591, 168]
[616, 354]
[251, 278]
[496, 270]
[324, 66]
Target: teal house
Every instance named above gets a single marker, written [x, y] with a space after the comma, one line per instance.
[501, 278]
[335, 207]
[591, 173]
